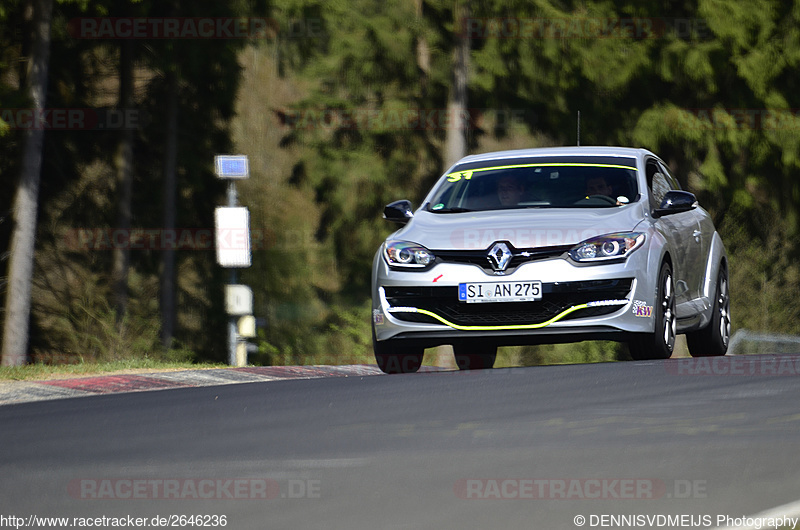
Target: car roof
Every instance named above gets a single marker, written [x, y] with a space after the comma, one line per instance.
[625, 152]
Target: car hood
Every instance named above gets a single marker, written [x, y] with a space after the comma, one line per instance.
[528, 228]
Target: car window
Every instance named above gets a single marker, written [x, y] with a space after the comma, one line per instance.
[657, 183]
[500, 185]
[673, 182]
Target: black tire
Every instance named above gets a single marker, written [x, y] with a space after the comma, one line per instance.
[394, 358]
[713, 340]
[660, 343]
[475, 356]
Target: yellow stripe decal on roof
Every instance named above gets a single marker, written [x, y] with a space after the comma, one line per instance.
[457, 175]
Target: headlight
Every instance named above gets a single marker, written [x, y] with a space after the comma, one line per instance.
[607, 247]
[404, 254]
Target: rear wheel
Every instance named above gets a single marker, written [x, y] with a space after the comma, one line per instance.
[475, 356]
[395, 358]
[660, 343]
[713, 339]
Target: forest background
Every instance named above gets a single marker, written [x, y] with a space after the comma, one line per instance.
[342, 107]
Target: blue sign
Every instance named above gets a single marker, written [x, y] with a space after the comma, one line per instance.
[231, 166]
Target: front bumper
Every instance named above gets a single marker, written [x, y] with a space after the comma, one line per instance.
[579, 302]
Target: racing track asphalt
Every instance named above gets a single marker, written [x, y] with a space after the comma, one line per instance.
[705, 437]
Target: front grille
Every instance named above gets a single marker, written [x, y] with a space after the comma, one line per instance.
[556, 298]
[481, 257]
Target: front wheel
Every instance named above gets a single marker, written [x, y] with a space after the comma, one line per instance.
[395, 358]
[713, 339]
[660, 343]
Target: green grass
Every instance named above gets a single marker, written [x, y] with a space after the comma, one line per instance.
[33, 372]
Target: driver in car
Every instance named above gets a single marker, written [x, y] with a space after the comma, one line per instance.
[599, 186]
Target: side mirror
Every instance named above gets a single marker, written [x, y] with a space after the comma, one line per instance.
[676, 201]
[398, 212]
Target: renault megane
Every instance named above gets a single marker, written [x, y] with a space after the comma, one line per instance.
[550, 245]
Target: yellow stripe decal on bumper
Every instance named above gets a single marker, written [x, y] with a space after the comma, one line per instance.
[510, 326]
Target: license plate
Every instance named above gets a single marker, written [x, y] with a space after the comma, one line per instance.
[499, 292]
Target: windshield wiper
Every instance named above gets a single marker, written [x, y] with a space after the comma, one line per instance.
[455, 209]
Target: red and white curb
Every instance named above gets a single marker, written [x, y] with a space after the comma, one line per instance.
[27, 391]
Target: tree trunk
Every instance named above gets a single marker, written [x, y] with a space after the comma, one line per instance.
[123, 163]
[170, 213]
[423, 54]
[24, 211]
[457, 115]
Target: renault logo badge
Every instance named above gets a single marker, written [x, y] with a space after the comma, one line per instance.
[499, 256]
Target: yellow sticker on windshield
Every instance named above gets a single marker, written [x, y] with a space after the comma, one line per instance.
[455, 177]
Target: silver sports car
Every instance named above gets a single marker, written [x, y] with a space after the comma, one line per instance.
[550, 245]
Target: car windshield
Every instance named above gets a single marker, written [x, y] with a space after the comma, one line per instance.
[500, 185]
